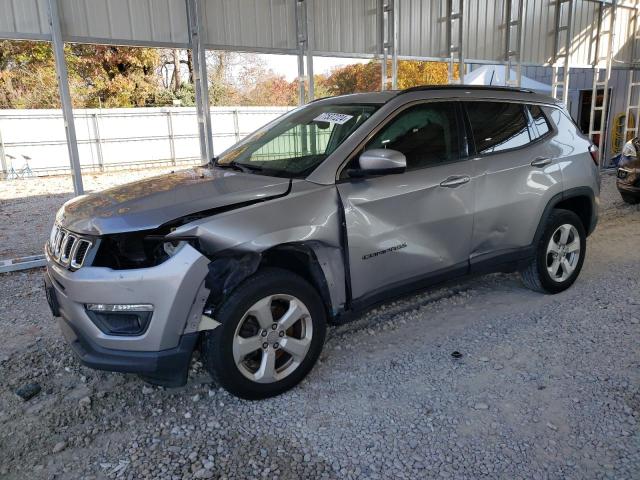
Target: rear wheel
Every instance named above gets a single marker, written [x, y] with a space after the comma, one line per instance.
[272, 332]
[559, 254]
[630, 199]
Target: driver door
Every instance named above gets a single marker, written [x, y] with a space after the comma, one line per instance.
[413, 227]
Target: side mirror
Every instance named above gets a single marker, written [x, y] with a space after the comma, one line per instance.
[379, 161]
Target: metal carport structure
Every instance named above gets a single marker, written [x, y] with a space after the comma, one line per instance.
[562, 34]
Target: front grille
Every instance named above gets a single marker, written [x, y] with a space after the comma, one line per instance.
[68, 249]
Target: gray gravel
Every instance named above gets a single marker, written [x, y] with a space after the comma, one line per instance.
[28, 206]
[547, 387]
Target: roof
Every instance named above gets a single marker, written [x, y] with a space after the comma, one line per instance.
[448, 91]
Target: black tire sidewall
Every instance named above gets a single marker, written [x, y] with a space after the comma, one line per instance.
[218, 343]
[556, 219]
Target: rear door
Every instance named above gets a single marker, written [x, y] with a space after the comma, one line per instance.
[415, 225]
[517, 175]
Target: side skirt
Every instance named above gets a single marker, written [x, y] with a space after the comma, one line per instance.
[507, 261]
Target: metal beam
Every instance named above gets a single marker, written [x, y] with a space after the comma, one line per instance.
[200, 78]
[309, 28]
[65, 95]
[562, 54]
[632, 109]
[22, 263]
[601, 76]
[513, 40]
[4, 169]
[454, 48]
[387, 36]
[300, 45]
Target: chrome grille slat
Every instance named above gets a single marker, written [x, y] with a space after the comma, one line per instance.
[59, 243]
[65, 251]
[68, 249]
[80, 253]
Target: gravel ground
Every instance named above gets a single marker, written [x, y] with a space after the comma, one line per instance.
[28, 206]
[547, 387]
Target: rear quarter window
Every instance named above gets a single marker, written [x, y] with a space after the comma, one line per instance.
[540, 124]
[498, 126]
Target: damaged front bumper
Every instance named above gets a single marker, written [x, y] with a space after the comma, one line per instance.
[173, 290]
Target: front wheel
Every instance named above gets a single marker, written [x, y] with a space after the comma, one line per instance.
[272, 331]
[559, 254]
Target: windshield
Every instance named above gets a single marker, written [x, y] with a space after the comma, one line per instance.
[296, 143]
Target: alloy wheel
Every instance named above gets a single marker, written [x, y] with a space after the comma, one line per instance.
[272, 338]
[563, 252]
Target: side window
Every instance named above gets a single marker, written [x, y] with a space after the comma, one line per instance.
[427, 134]
[540, 123]
[497, 126]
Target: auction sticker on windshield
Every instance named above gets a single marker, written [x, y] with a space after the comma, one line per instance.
[338, 118]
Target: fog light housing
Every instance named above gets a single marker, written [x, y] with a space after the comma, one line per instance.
[119, 319]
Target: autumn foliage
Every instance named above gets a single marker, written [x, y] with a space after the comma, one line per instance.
[114, 76]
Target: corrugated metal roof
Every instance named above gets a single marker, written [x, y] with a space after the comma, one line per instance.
[141, 22]
[24, 19]
[344, 27]
[337, 27]
[250, 24]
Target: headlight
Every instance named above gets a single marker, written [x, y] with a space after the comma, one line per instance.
[171, 248]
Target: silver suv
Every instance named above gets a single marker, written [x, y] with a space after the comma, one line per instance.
[334, 207]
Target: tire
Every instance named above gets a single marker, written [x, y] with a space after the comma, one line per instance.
[630, 199]
[247, 321]
[537, 276]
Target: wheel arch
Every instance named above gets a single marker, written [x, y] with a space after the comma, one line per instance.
[579, 200]
[319, 264]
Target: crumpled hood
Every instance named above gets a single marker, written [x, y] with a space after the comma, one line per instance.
[152, 202]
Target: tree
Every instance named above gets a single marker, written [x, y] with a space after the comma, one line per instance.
[367, 77]
[27, 75]
[99, 75]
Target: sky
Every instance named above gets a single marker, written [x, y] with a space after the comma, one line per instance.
[287, 65]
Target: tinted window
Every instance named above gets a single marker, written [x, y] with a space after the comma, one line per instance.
[497, 126]
[540, 124]
[427, 134]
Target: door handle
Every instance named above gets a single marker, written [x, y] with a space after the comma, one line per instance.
[455, 181]
[541, 162]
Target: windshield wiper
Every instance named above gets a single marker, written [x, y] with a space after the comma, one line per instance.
[255, 168]
[230, 165]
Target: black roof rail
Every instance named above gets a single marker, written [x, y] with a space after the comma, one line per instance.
[420, 88]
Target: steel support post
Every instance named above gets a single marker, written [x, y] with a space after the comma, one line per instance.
[513, 51]
[454, 19]
[172, 142]
[632, 109]
[601, 76]
[65, 95]
[200, 78]
[394, 52]
[309, 30]
[562, 54]
[96, 133]
[304, 50]
[386, 41]
[4, 169]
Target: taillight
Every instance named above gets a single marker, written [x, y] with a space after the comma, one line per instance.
[593, 150]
